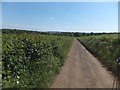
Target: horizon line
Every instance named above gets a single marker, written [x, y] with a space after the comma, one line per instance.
[60, 31]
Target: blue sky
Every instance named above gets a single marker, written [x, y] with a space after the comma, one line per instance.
[61, 16]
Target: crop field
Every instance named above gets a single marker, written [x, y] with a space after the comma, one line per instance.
[104, 47]
[32, 60]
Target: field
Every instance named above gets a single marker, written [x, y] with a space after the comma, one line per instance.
[104, 47]
[32, 59]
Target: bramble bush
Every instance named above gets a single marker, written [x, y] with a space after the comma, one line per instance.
[32, 60]
[104, 47]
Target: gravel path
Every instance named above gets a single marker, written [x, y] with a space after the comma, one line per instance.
[82, 70]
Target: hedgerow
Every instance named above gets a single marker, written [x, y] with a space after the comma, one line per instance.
[32, 60]
[105, 47]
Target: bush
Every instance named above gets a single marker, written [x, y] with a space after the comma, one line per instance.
[32, 60]
[104, 47]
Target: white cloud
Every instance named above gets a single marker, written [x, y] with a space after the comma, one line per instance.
[16, 26]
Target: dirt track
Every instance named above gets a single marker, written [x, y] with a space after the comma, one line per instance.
[82, 70]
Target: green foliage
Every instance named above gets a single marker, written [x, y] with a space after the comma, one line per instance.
[32, 60]
[104, 47]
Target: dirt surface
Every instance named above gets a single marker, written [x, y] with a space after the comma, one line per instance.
[82, 70]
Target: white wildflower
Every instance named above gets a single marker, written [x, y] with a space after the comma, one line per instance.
[17, 82]
[18, 77]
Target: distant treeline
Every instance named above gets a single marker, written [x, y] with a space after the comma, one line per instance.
[75, 34]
